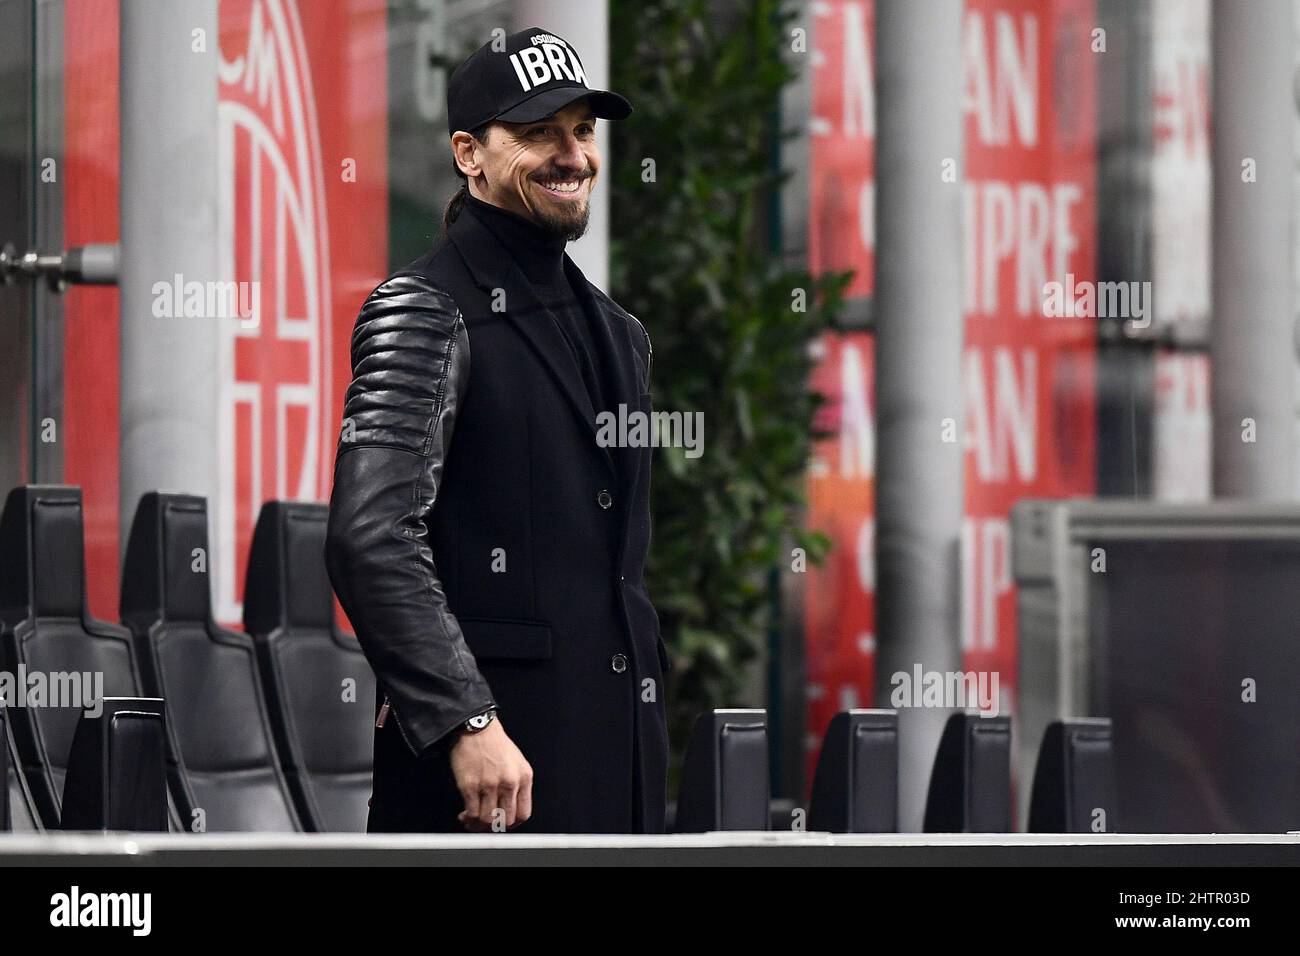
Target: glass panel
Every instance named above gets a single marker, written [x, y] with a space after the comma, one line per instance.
[16, 306]
[49, 176]
[427, 39]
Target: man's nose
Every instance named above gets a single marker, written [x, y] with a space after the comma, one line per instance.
[570, 154]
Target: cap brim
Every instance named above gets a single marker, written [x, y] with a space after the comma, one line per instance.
[604, 104]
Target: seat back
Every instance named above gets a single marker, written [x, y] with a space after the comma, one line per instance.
[224, 771]
[970, 785]
[725, 783]
[855, 789]
[1074, 780]
[117, 773]
[4, 769]
[320, 689]
[61, 658]
[19, 809]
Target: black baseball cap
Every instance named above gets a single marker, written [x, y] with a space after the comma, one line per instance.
[527, 77]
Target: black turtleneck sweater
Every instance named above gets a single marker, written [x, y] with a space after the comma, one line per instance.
[540, 255]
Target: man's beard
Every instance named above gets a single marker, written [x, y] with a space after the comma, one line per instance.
[571, 227]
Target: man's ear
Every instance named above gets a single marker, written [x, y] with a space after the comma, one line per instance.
[463, 149]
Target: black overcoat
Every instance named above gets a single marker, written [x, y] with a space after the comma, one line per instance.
[488, 549]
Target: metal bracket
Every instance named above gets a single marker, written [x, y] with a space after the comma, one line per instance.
[95, 264]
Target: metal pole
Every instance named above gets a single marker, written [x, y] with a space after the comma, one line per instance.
[586, 27]
[1252, 338]
[918, 366]
[168, 227]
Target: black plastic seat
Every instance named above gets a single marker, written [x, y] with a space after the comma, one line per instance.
[970, 786]
[47, 630]
[18, 813]
[320, 689]
[855, 789]
[725, 782]
[1074, 780]
[784, 813]
[117, 770]
[223, 769]
[4, 769]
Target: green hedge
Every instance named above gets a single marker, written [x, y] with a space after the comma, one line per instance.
[693, 180]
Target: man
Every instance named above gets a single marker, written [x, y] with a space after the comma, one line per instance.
[486, 547]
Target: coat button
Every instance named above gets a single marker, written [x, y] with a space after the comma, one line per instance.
[604, 498]
[618, 663]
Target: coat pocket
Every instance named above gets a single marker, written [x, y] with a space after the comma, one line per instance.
[492, 639]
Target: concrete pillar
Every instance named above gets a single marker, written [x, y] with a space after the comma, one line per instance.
[919, 335]
[1252, 329]
[168, 226]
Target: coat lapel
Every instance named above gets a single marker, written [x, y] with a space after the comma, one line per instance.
[612, 339]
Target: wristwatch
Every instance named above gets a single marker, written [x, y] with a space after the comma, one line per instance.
[480, 721]
[474, 725]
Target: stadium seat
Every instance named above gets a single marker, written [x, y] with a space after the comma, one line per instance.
[970, 786]
[784, 814]
[1074, 780]
[47, 632]
[117, 770]
[19, 810]
[4, 769]
[855, 789]
[725, 784]
[320, 690]
[223, 768]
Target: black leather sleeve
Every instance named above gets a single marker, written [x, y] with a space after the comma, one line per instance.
[410, 367]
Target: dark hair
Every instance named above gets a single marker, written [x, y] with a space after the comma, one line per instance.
[457, 200]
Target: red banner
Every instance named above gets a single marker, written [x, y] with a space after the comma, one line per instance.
[92, 148]
[842, 129]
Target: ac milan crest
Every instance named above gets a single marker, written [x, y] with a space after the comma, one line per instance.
[275, 382]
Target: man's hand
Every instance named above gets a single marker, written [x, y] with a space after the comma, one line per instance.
[494, 779]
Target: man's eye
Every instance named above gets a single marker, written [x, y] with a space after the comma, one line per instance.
[585, 130]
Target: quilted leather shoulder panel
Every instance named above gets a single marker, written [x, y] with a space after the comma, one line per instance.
[409, 351]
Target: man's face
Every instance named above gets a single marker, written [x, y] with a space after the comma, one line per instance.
[544, 171]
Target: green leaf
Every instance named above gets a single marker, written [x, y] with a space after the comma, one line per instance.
[690, 257]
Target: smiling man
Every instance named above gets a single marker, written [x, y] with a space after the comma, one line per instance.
[487, 548]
